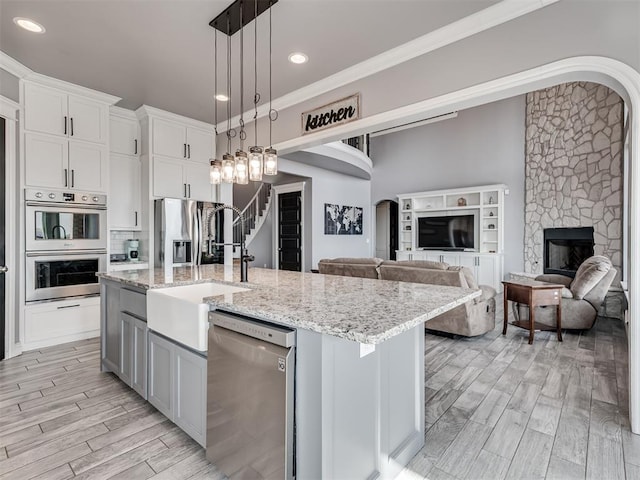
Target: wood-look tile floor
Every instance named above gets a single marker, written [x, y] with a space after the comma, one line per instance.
[496, 408]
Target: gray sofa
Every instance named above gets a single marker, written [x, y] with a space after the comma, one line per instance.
[581, 297]
[475, 317]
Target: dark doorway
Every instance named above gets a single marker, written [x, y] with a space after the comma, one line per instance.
[290, 231]
[2, 236]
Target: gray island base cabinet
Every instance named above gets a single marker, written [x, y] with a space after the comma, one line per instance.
[124, 333]
[359, 380]
[178, 385]
[358, 417]
[171, 377]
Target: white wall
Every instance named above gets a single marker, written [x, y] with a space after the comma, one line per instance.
[332, 187]
[481, 146]
[9, 86]
[261, 246]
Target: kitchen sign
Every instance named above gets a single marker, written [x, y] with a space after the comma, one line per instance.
[336, 113]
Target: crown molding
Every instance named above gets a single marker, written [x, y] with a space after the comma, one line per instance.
[13, 66]
[123, 113]
[148, 111]
[72, 88]
[477, 22]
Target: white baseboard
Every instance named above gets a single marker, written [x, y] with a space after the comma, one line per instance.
[59, 340]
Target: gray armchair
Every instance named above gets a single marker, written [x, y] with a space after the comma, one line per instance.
[581, 299]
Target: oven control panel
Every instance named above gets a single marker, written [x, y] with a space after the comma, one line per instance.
[50, 196]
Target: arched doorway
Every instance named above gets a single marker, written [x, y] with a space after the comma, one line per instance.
[386, 229]
[609, 72]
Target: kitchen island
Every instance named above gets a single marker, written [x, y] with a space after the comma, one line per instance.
[359, 388]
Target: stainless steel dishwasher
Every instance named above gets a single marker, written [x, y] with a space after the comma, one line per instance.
[250, 397]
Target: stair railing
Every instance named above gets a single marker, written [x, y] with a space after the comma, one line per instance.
[251, 213]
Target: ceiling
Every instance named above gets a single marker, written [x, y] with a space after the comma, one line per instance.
[160, 52]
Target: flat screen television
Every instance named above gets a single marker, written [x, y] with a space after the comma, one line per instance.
[447, 232]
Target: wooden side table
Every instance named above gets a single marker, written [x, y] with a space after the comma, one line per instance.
[534, 294]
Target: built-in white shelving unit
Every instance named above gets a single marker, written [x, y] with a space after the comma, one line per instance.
[485, 202]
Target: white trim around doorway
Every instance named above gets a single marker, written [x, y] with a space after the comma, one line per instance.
[277, 190]
[9, 111]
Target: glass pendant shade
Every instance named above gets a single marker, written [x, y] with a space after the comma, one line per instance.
[255, 164]
[270, 161]
[228, 168]
[215, 172]
[242, 168]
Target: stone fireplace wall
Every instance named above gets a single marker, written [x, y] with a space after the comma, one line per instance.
[573, 167]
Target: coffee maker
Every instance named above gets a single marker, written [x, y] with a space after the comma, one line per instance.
[132, 249]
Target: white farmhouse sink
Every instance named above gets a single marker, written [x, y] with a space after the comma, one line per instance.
[180, 313]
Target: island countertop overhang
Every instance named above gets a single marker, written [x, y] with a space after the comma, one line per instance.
[362, 310]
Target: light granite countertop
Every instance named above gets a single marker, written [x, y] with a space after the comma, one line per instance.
[359, 309]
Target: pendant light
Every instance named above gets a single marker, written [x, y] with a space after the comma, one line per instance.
[215, 168]
[242, 161]
[270, 154]
[242, 167]
[255, 152]
[228, 160]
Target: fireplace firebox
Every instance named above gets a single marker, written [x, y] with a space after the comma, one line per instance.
[566, 248]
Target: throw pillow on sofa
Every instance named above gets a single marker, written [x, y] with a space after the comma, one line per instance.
[589, 274]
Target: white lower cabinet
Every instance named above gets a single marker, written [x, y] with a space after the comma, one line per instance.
[178, 385]
[52, 323]
[486, 268]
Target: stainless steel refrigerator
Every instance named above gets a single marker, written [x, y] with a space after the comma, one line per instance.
[187, 232]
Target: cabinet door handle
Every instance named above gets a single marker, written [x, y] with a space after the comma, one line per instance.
[135, 146]
[136, 214]
[189, 186]
[65, 124]
[66, 177]
[185, 189]
[69, 306]
[188, 150]
[71, 120]
[73, 178]
[185, 150]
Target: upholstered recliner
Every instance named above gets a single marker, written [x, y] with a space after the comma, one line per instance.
[581, 297]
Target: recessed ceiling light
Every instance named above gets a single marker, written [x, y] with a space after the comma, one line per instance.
[29, 25]
[297, 57]
[222, 98]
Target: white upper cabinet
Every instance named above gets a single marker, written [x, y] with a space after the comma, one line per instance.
[124, 135]
[174, 139]
[182, 179]
[52, 111]
[169, 138]
[199, 145]
[168, 178]
[196, 176]
[60, 163]
[125, 200]
[48, 161]
[46, 110]
[87, 167]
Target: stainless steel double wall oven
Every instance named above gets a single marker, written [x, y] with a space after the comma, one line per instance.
[66, 243]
